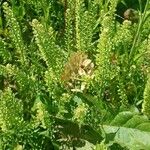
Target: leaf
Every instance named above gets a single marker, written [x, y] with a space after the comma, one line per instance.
[144, 127]
[122, 118]
[83, 134]
[135, 121]
[131, 130]
[133, 139]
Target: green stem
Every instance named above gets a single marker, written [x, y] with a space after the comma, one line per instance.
[142, 19]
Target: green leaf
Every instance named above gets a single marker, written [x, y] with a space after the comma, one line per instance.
[135, 121]
[131, 131]
[122, 118]
[84, 134]
[144, 127]
[133, 139]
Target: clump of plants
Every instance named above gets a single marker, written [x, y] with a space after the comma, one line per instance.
[74, 74]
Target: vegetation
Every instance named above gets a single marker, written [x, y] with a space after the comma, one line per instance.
[74, 74]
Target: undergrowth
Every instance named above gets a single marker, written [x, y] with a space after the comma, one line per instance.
[74, 73]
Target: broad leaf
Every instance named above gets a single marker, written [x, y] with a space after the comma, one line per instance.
[132, 131]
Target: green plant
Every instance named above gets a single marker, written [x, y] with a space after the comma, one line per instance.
[72, 76]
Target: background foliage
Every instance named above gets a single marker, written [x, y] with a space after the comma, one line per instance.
[74, 74]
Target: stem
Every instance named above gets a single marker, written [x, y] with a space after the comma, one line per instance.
[142, 19]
